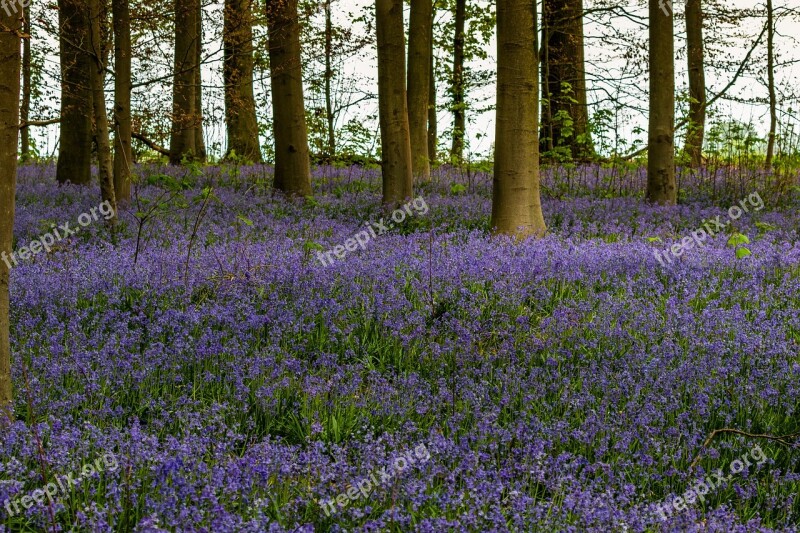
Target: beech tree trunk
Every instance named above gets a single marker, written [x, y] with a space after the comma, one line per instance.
[199, 139]
[240, 103]
[25, 110]
[329, 115]
[516, 204]
[564, 79]
[433, 119]
[661, 186]
[773, 101]
[420, 49]
[183, 139]
[697, 83]
[457, 89]
[10, 28]
[398, 178]
[123, 153]
[75, 144]
[292, 156]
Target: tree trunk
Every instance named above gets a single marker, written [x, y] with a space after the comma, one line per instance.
[773, 103]
[420, 49]
[661, 187]
[433, 119]
[25, 111]
[183, 142]
[516, 205]
[459, 102]
[565, 79]
[199, 139]
[328, 78]
[398, 180]
[123, 154]
[9, 132]
[75, 145]
[96, 79]
[697, 83]
[292, 157]
[240, 103]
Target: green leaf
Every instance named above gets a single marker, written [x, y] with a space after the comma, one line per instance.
[742, 252]
[245, 220]
[654, 239]
[736, 239]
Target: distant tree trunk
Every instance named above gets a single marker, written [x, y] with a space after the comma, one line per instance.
[199, 140]
[661, 187]
[773, 102]
[563, 44]
[457, 89]
[96, 80]
[75, 145]
[420, 49]
[433, 119]
[25, 111]
[292, 156]
[240, 103]
[9, 136]
[697, 83]
[516, 204]
[328, 78]
[123, 154]
[183, 141]
[398, 178]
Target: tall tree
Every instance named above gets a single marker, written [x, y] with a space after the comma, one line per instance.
[457, 88]
[123, 83]
[10, 31]
[199, 134]
[27, 74]
[292, 156]
[329, 115]
[565, 113]
[697, 83]
[420, 50]
[433, 119]
[773, 101]
[516, 203]
[75, 144]
[661, 186]
[398, 179]
[183, 139]
[240, 103]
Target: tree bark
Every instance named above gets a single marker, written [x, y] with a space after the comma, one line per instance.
[457, 89]
[516, 203]
[123, 129]
[420, 50]
[75, 145]
[433, 118]
[199, 139]
[240, 103]
[697, 83]
[661, 187]
[563, 47]
[398, 180]
[328, 79]
[183, 141]
[773, 101]
[25, 111]
[292, 156]
[10, 29]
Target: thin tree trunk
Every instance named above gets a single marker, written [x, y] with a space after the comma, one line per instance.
[433, 119]
[697, 83]
[75, 144]
[96, 79]
[199, 140]
[564, 65]
[547, 135]
[457, 89]
[123, 153]
[398, 178]
[328, 78]
[420, 49]
[661, 187]
[25, 111]
[240, 103]
[292, 156]
[773, 101]
[183, 142]
[9, 132]
[516, 204]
